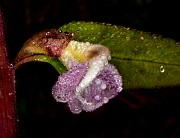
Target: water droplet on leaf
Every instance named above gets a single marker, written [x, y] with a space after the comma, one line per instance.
[162, 70]
[142, 38]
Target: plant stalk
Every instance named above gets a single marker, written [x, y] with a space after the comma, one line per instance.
[8, 113]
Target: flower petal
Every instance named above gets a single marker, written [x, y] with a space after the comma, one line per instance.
[105, 86]
[64, 88]
[75, 105]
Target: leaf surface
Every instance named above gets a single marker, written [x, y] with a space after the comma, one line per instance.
[144, 60]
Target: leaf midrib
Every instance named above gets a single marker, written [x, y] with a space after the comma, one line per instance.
[146, 61]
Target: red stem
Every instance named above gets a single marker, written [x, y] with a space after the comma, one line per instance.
[8, 118]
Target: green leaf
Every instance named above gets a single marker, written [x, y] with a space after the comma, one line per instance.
[143, 60]
[55, 62]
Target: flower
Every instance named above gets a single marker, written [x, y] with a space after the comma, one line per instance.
[90, 81]
[105, 86]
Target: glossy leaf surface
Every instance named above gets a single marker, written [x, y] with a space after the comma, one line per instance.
[144, 60]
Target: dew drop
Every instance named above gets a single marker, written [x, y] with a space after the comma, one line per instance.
[147, 52]
[98, 81]
[11, 65]
[112, 35]
[109, 57]
[74, 47]
[142, 38]
[48, 33]
[162, 70]
[10, 94]
[105, 100]
[97, 97]
[103, 86]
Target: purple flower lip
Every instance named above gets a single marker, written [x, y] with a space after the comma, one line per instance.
[64, 88]
[104, 87]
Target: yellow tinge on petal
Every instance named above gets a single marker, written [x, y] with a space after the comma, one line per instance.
[81, 52]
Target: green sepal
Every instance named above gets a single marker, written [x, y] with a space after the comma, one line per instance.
[55, 62]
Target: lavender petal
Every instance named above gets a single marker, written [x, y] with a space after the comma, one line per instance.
[75, 105]
[65, 86]
[104, 87]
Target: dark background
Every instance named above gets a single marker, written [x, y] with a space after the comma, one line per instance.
[134, 113]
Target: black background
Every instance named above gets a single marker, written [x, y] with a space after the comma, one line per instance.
[134, 113]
